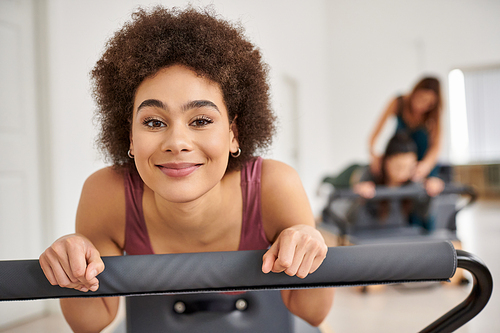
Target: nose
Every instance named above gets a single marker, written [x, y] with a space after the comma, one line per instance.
[177, 139]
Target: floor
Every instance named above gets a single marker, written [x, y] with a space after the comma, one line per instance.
[405, 309]
[393, 308]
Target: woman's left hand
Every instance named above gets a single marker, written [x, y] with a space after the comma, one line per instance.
[434, 186]
[299, 250]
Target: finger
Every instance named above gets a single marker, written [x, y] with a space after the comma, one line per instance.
[54, 271]
[58, 256]
[300, 252]
[306, 264]
[60, 267]
[95, 264]
[286, 251]
[94, 268]
[302, 247]
[76, 265]
[269, 258]
[47, 270]
[62, 278]
[82, 289]
[318, 259]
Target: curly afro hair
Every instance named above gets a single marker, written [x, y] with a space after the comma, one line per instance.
[200, 40]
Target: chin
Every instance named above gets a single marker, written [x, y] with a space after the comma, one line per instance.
[180, 197]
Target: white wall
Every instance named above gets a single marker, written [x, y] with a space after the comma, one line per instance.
[293, 40]
[378, 49]
[347, 59]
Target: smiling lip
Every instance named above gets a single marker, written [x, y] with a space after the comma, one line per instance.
[178, 169]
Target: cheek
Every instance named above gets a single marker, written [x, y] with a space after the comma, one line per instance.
[215, 145]
[145, 144]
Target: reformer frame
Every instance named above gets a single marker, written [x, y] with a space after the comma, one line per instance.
[346, 229]
[213, 272]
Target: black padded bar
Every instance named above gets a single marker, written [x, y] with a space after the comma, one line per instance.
[238, 271]
[408, 191]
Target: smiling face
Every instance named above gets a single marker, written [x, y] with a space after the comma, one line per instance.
[181, 136]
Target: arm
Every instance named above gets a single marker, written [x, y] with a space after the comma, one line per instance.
[374, 158]
[74, 261]
[298, 248]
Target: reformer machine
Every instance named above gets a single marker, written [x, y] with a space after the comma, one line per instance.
[182, 292]
[362, 227]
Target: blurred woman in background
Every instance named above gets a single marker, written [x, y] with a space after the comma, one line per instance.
[418, 113]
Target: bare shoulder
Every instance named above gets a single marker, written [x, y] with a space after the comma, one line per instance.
[106, 177]
[104, 188]
[392, 108]
[276, 175]
[101, 210]
[284, 200]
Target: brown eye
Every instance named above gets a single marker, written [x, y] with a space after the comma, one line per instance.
[153, 123]
[201, 122]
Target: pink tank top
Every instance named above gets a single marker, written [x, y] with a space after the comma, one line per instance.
[252, 233]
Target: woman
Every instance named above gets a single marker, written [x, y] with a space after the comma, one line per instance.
[183, 104]
[419, 114]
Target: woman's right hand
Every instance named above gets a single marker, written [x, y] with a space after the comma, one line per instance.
[72, 261]
[365, 189]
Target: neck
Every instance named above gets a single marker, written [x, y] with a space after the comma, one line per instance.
[410, 116]
[199, 220]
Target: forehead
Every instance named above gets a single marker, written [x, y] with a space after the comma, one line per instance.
[178, 84]
[409, 157]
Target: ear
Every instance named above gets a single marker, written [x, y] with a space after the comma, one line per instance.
[131, 145]
[233, 136]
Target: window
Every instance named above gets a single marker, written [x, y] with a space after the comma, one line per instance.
[475, 115]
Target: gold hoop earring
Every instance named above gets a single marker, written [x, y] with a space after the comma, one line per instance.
[237, 154]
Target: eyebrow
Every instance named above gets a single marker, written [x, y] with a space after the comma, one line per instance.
[200, 104]
[188, 106]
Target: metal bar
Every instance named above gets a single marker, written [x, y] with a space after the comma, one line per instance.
[474, 303]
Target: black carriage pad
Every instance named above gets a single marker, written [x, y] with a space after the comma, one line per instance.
[249, 312]
[238, 271]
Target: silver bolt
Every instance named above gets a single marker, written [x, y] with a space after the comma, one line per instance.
[241, 304]
[179, 307]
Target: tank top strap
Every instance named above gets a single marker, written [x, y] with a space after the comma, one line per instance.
[136, 233]
[253, 236]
